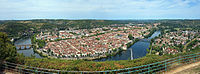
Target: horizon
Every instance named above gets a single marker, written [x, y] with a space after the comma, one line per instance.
[94, 9]
[100, 19]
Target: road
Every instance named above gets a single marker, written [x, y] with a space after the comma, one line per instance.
[181, 69]
[185, 47]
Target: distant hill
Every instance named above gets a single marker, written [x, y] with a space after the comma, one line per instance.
[19, 27]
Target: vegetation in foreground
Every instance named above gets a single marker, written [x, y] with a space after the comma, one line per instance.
[7, 50]
[82, 65]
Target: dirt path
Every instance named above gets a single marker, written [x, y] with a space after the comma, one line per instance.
[182, 68]
[9, 72]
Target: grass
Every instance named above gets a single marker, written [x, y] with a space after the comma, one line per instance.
[81, 65]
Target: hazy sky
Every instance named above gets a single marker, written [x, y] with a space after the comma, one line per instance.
[99, 9]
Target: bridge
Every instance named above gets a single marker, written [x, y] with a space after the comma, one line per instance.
[26, 46]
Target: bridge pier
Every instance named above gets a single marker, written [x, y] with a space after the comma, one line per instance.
[25, 46]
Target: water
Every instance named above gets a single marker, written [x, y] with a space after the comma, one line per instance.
[138, 50]
[26, 52]
[157, 33]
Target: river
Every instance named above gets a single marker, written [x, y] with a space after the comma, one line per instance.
[138, 49]
[26, 52]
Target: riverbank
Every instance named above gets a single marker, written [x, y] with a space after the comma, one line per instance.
[151, 33]
[43, 54]
[132, 43]
[106, 55]
[139, 51]
[149, 50]
[18, 38]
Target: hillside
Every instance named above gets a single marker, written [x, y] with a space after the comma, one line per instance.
[17, 28]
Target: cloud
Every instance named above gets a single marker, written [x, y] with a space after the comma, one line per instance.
[109, 9]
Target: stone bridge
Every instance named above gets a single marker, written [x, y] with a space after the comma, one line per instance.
[26, 46]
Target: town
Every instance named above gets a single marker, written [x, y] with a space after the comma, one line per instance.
[175, 42]
[96, 42]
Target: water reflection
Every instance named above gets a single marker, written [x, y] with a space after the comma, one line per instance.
[138, 50]
[26, 52]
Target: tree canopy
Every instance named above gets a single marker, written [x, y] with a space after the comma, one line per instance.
[7, 50]
[130, 36]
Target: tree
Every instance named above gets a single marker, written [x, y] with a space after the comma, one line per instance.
[41, 43]
[130, 36]
[7, 50]
[48, 51]
[97, 38]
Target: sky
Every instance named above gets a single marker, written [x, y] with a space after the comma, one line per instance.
[99, 9]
